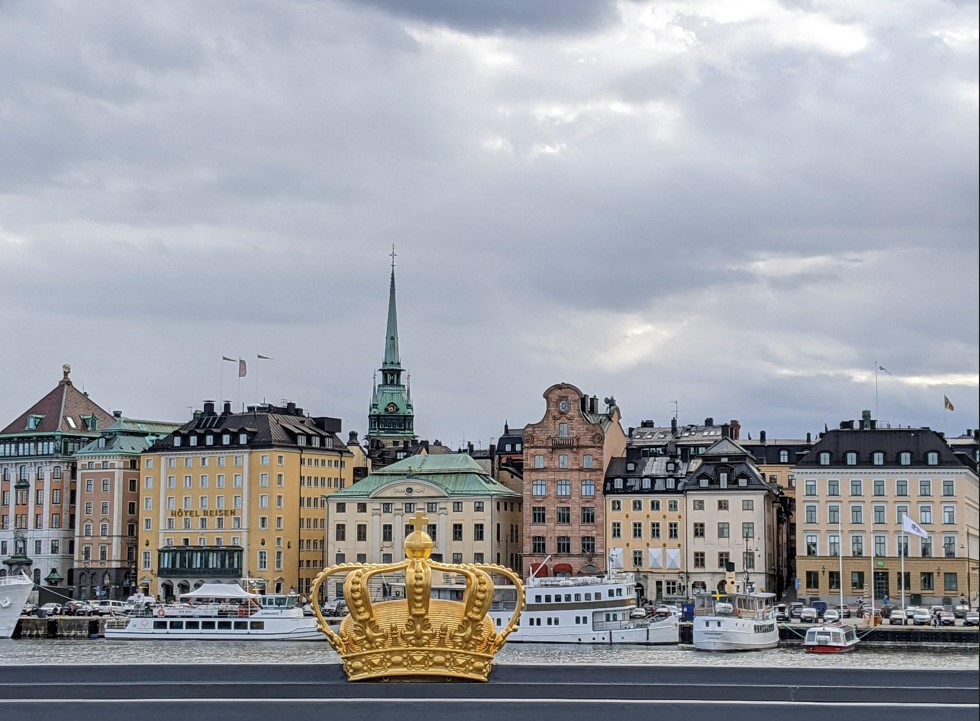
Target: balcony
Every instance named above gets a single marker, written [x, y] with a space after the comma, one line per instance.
[563, 442]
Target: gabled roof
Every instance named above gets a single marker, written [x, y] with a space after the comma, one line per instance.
[725, 447]
[63, 410]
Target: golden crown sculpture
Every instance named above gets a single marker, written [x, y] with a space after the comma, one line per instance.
[418, 637]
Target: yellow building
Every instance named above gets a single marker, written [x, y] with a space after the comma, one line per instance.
[239, 495]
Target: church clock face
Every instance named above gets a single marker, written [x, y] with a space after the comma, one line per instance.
[391, 408]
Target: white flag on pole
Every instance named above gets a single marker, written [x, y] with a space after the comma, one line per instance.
[910, 526]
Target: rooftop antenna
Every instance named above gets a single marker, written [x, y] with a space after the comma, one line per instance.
[675, 409]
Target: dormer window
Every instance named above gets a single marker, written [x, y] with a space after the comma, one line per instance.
[824, 458]
[932, 458]
[851, 458]
[225, 439]
[784, 456]
[631, 466]
[209, 440]
[102, 442]
[177, 441]
[300, 440]
[33, 422]
[243, 438]
[878, 458]
[193, 440]
[315, 441]
[905, 458]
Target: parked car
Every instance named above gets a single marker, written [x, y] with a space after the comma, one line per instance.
[335, 608]
[51, 609]
[782, 612]
[921, 617]
[946, 618]
[809, 615]
[897, 617]
[29, 609]
[843, 609]
[936, 610]
[971, 618]
[79, 608]
[909, 613]
[831, 615]
[795, 608]
[638, 613]
[960, 610]
[107, 607]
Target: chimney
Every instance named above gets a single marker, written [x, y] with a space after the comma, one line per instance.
[673, 426]
[808, 437]
[226, 409]
[291, 408]
[709, 421]
[209, 408]
[736, 429]
[117, 414]
[762, 436]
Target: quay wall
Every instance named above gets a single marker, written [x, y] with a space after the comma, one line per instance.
[789, 634]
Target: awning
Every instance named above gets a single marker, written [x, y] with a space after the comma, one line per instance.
[538, 570]
[563, 568]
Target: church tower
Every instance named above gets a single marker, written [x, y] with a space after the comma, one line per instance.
[391, 419]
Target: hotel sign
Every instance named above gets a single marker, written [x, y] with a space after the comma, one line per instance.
[211, 512]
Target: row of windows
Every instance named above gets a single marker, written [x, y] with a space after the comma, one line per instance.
[927, 581]
[563, 461]
[563, 515]
[562, 545]
[878, 514]
[22, 473]
[388, 531]
[878, 487]
[852, 458]
[900, 544]
[430, 507]
[563, 488]
[237, 460]
[32, 448]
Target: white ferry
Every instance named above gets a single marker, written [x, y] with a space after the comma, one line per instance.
[735, 622]
[220, 612]
[14, 591]
[582, 609]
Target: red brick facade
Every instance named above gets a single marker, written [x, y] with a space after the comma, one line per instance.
[565, 457]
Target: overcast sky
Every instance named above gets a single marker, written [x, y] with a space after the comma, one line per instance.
[744, 207]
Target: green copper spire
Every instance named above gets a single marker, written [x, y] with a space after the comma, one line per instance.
[391, 419]
[391, 359]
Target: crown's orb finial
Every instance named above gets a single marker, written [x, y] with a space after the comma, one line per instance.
[419, 543]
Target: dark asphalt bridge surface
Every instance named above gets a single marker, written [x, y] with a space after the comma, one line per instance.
[284, 692]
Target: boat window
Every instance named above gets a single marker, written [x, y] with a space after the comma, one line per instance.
[578, 596]
[568, 598]
[193, 625]
[224, 625]
[547, 598]
[176, 625]
[207, 625]
[158, 625]
[588, 597]
[241, 625]
[258, 625]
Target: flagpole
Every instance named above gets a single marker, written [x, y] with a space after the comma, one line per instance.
[902, 540]
[876, 391]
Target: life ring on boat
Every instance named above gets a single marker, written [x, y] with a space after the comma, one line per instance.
[161, 612]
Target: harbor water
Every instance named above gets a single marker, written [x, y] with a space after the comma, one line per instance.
[71, 652]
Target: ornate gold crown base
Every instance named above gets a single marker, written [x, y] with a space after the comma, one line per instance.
[417, 664]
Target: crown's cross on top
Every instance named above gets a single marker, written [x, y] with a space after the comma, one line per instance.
[419, 521]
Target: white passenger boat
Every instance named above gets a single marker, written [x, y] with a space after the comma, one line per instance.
[14, 591]
[735, 622]
[582, 609]
[220, 612]
[831, 638]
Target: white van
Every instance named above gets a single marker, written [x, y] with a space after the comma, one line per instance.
[106, 607]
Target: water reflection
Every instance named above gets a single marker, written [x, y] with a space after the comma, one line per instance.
[83, 651]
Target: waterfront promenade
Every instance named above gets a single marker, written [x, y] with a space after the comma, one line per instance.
[515, 692]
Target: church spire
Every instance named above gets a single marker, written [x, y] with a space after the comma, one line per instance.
[392, 359]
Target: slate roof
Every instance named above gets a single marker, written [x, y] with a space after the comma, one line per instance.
[62, 403]
[456, 473]
[267, 426]
[890, 441]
